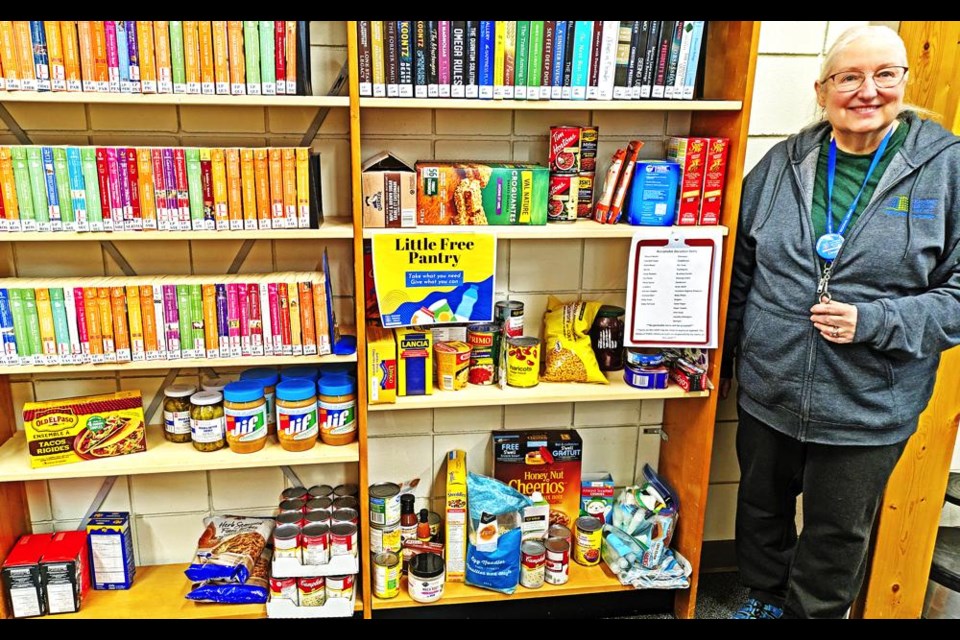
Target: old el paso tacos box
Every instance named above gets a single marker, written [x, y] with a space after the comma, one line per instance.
[84, 428]
[544, 461]
[470, 193]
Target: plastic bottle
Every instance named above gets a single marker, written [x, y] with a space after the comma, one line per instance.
[465, 308]
[423, 526]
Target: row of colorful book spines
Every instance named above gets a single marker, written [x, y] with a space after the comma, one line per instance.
[136, 56]
[113, 189]
[532, 60]
[76, 325]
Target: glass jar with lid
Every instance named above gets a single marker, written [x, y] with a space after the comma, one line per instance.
[297, 418]
[176, 412]
[338, 409]
[268, 377]
[213, 383]
[245, 410]
[207, 426]
[606, 337]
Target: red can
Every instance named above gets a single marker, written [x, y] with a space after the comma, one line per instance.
[284, 588]
[293, 505]
[343, 539]
[315, 543]
[294, 493]
[319, 504]
[565, 150]
[588, 148]
[321, 491]
[312, 591]
[295, 518]
[341, 586]
[557, 566]
[346, 502]
[562, 203]
[315, 517]
[346, 515]
[585, 195]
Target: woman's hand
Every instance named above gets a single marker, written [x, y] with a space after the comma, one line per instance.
[836, 321]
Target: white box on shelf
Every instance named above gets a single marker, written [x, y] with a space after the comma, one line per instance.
[338, 566]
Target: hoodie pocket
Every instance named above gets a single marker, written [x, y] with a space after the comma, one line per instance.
[772, 357]
[853, 385]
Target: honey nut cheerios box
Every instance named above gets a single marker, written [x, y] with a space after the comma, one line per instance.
[84, 428]
[544, 461]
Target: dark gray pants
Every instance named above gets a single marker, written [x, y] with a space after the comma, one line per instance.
[819, 573]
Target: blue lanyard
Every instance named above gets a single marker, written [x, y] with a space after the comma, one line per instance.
[831, 172]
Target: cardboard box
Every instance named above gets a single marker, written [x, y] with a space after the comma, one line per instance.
[414, 361]
[111, 550]
[597, 496]
[63, 570]
[471, 193]
[22, 582]
[389, 187]
[381, 365]
[84, 428]
[690, 154]
[456, 516]
[544, 461]
[716, 170]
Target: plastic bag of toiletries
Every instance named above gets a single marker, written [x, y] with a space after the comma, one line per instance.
[622, 553]
[648, 513]
[494, 534]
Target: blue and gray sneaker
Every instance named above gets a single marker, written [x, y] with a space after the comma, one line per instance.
[756, 610]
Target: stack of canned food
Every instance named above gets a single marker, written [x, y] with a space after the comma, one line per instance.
[573, 165]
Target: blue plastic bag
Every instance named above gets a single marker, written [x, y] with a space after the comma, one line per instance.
[499, 569]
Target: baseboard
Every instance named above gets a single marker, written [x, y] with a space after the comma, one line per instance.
[718, 556]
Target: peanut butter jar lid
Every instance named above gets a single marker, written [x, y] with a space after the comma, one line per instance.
[296, 389]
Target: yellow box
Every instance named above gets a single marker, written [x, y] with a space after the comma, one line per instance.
[84, 428]
[381, 366]
[456, 516]
[414, 361]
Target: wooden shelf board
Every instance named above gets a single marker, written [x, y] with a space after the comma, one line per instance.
[553, 105]
[179, 99]
[583, 580]
[554, 231]
[163, 456]
[188, 363]
[545, 392]
[329, 230]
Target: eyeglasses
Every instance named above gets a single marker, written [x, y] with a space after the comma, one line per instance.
[886, 78]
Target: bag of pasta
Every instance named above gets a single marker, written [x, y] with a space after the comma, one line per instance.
[229, 548]
[567, 353]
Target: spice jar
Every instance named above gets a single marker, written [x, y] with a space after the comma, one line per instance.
[303, 371]
[268, 378]
[338, 409]
[606, 337]
[176, 412]
[207, 428]
[297, 421]
[245, 409]
[214, 384]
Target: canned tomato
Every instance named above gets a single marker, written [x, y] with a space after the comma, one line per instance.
[296, 518]
[560, 531]
[297, 505]
[315, 543]
[384, 538]
[562, 200]
[533, 557]
[589, 136]
[386, 575]
[286, 542]
[294, 493]
[523, 362]
[348, 489]
[285, 588]
[509, 315]
[565, 149]
[557, 566]
[384, 503]
[453, 364]
[340, 586]
[484, 341]
[320, 491]
[345, 515]
[346, 502]
[319, 504]
[343, 539]
[586, 551]
[312, 591]
[585, 195]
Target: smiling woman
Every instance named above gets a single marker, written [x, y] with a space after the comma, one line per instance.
[845, 289]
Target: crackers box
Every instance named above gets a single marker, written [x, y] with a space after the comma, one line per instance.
[544, 461]
[389, 189]
[470, 193]
[84, 428]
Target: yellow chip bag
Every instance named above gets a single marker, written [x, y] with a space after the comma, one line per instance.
[567, 353]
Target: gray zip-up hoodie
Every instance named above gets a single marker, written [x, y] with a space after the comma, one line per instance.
[900, 266]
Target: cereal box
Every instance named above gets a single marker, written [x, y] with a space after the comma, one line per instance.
[84, 428]
[481, 194]
[389, 188]
[544, 461]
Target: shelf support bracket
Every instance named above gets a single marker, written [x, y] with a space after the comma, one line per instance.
[292, 476]
[157, 399]
[241, 256]
[335, 89]
[118, 258]
[98, 501]
[14, 126]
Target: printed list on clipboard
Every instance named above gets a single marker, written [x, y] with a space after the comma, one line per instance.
[673, 288]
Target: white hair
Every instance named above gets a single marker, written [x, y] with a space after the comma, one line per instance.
[880, 32]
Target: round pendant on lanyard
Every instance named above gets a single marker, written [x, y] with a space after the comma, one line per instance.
[830, 243]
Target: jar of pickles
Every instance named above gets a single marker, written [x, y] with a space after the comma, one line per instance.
[268, 378]
[176, 412]
[245, 410]
[207, 426]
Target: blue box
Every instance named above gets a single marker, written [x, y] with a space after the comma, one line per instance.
[653, 193]
[111, 550]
